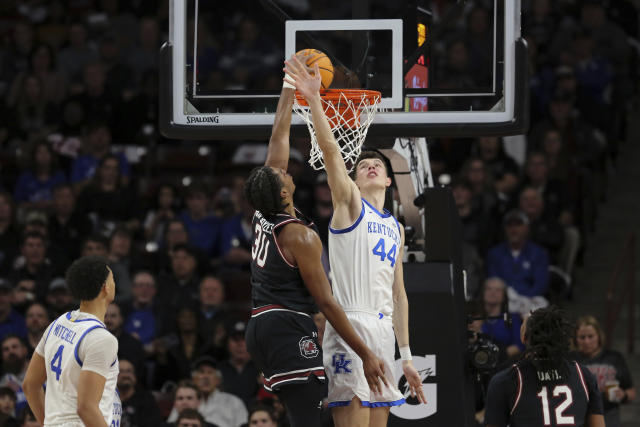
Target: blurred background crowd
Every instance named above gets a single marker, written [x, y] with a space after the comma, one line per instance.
[84, 171]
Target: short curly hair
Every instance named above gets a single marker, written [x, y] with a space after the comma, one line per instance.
[86, 276]
[262, 191]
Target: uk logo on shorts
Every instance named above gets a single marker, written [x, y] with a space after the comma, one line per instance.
[341, 364]
[308, 348]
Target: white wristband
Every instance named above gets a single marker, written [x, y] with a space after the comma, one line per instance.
[405, 353]
[286, 84]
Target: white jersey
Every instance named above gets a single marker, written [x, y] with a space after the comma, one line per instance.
[363, 258]
[74, 342]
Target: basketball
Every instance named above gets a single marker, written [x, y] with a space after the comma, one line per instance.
[324, 64]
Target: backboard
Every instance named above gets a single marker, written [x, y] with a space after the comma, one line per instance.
[447, 67]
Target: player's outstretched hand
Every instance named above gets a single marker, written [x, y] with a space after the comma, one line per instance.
[414, 380]
[374, 373]
[296, 74]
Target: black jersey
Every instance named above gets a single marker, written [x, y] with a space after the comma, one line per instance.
[522, 396]
[273, 279]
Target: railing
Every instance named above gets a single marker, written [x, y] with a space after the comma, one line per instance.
[615, 301]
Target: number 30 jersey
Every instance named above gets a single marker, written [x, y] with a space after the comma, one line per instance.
[74, 342]
[273, 279]
[363, 258]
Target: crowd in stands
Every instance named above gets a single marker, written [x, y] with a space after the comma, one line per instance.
[78, 83]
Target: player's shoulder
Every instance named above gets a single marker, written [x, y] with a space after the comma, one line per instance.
[505, 377]
[101, 338]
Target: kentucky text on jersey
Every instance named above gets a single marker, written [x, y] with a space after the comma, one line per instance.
[377, 228]
[65, 334]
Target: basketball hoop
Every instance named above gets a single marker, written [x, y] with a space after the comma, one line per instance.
[350, 112]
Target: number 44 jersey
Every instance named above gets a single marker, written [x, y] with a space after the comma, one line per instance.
[74, 342]
[363, 258]
[523, 396]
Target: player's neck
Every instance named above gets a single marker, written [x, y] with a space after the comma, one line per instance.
[375, 198]
[96, 307]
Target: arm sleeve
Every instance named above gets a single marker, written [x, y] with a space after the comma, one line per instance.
[624, 376]
[98, 351]
[497, 407]
[594, 406]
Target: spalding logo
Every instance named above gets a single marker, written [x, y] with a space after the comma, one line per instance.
[412, 409]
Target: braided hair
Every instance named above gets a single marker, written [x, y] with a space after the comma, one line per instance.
[262, 190]
[548, 335]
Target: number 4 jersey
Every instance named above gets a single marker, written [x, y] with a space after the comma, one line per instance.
[74, 342]
[522, 396]
[363, 258]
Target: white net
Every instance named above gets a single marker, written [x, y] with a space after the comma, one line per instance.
[349, 118]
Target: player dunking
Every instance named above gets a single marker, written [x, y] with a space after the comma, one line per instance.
[365, 253]
[288, 281]
[545, 388]
[77, 356]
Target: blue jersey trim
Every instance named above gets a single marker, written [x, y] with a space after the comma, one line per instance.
[367, 404]
[84, 320]
[75, 350]
[348, 229]
[50, 328]
[385, 213]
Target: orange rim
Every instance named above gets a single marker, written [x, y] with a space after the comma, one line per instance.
[334, 95]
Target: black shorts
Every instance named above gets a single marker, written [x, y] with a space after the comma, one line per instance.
[284, 346]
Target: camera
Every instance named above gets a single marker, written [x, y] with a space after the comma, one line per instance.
[482, 352]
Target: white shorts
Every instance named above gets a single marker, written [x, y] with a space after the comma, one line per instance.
[344, 368]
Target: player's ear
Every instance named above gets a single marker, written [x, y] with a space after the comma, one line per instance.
[387, 182]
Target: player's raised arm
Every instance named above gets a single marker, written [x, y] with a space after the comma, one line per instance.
[305, 247]
[343, 190]
[278, 151]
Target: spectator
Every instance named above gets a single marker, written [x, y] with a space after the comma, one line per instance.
[23, 42]
[180, 288]
[213, 314]
[522, 264]
[9, 236]
[26, 418]
[96, 145]
[494, 302]
[106, 200]
[42, 65]
[176, 356]
[187, 396]
[59, 298]
[217, 407]
[544, 230]
[157, 219]
[235, 243]
[202, 226]
[36, 320]
[475, 173]
[14, 367]
[78, 53]
[139, 408]
[190, 418]
[120, 261]
[608, 366]
[36, 183]
[144, 56]
[94, 244]
[145, 317]
[33, 265]
[8, 407]
[262, 416]
[239, 374]
[477, 228]
[160, 260]
[129, 348]
[118, 78]
[67, 227]
[33, 115]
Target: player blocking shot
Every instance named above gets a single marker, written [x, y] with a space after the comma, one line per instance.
[289, 284]
[546, 387]
[77, 356]
[365, 253]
